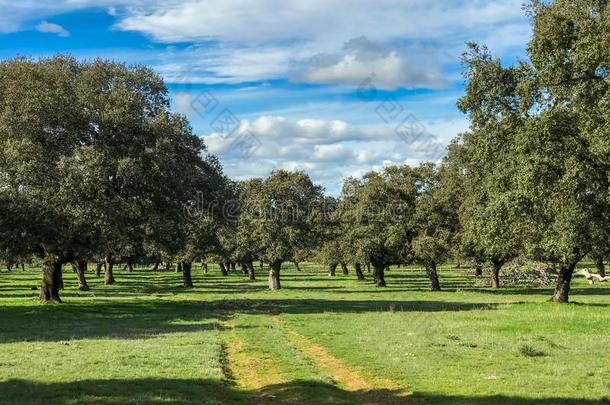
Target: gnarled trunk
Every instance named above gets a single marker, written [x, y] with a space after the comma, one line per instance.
[478, 268]
[433, 276]
[379, 273]
[332, 269]
[186, 274]
[358, 269]
[601, 268]
[98, 268]
[344, 268]
[108, 275]
[496, 266]
[223, 269]
[51, 280]
[250, 268]
[562, 289]
[81, 270]
[274, 275]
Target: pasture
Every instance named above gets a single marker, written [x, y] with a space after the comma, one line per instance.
[147, 340]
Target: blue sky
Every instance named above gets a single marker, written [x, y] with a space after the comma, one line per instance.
[332, 87]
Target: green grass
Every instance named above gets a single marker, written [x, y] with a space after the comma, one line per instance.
[146, 340]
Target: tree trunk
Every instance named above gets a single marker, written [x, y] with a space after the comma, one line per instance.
[601, 268]
[98, 268]
[368, 267]
[51, 280]
[344, 268]
[379, 273]
[478, 268]
[156, 266]
[358, 269]
[331, 269]
[433, 276]
[223, 269]
[495, 273]
[232, 266]
[22, 266]
[274, 275]
[168, 266]
[186, 274]
[296, 264]
[108, 276]
[129, 266]
[179, 267]
[261, 264]
[244, 268]
[9, 265]
[81, 270]
[205, 267]
[562, 290]
[250, 267]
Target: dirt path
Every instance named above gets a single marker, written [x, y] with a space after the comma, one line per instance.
[368, 389]
[260, 376]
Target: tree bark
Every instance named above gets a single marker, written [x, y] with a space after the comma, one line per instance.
[368, 267]
[344, 268]
[98, 268]
[296, 264]
[179, 267]
[250, 267]
[186, 274]
[129, 266]
[496, 266]
[22, 266]
[244, 267]
[232, 266]
[205, 267]
[81, 271]
[601, 268]
[9, 265]
[223, 269]
[478, 268]
[379, 273]
[108, 275]
[156, 266]
[51, 280]
[562, 289]
[332, 269]
[433, 276]
[358, 269]
[274, 275]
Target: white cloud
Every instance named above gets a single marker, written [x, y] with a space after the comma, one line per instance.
[328, 150]
[361, 58]
[248, 40]
[263, 21]
[47, 27]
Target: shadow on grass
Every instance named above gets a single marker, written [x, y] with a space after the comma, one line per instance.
[148, 318]
[194, 391]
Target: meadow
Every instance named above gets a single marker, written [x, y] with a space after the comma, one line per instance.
[320, 339]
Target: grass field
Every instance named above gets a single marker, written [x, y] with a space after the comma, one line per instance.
[146, 340]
